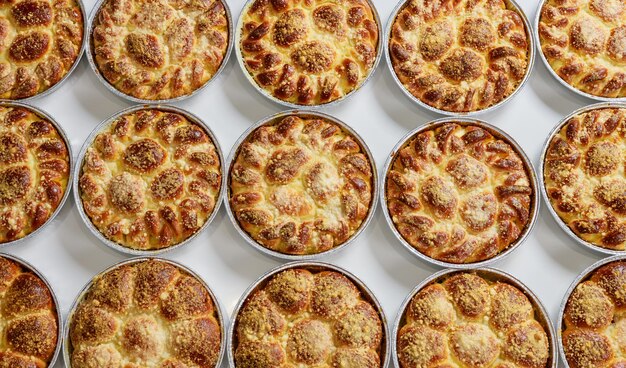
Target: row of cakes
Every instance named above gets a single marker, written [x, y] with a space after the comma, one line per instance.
[457, 192]
[453, 57]
[153, 312]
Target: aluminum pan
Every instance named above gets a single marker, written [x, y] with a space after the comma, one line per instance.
[89, 141]
[534, 212]
[542, 184]
[270, 120]
[314, 266]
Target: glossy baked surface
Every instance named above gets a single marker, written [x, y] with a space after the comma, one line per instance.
[594, 328]
[161, 49]
[301, 185]
[309, 52]
[458, 194]
[41, 40]
[29, 318]
[459, 56]
[308, 319]
[34, 171]
[466, 320]
[145, 314]
[584, 176]
[150, 179]
[584, 42]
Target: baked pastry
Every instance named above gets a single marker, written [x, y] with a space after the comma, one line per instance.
[34, 171]
[30, 325]
[459, 194]
[584, 177]
[584, 42]
[149, 313]
[594, 327]
[301, 185]
[41, 42]
[467, 320]
[460, 56]
[309, 52]
[302, 318]
[159, 49]
[150, 179]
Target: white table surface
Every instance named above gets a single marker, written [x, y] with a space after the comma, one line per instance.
[69, 255]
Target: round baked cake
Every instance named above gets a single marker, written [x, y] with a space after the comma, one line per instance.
[150, 179]
[30, 322]
[159, 49]
[460, 56]
[593, 325]
[458, 194]
[41, 40]
[148, 313]
[584, 42]
[309, 52]
[301, 184]
[34, 171]
[467, 320]
[584, 176]
[304, 318]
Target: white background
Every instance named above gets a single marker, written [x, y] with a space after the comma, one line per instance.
[69, 255]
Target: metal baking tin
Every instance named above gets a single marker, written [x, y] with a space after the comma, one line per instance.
[271, 120]
[557, 218]
[496, 132]
[57, 306]
[492, 274]
[81, 50]
[291, 105]
[553, 73]
[583, 276]
[71, 162]
[315, 267]
[531, 62]
[79, 165]
[92, 62]
[221, 315]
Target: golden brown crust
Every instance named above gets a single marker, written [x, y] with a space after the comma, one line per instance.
[148, 313]
[302, 318]
[29, 318]
[459, 56]
[583, 176]
[301, 185]
[159, 49]
[458, 194]
[584, 42]
[594, 328]
[150, 179]
[41, 40]
[467, 320]
[309, 52]
[34, 171]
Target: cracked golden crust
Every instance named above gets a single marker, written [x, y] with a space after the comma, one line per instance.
[467, 320]
[34, 171]
[594, 328]
[584, 42]
[30, 331]
[159, 49]
[459, 56]
[584, 176]
[145, 314]
[301, 185]
[308, 319]
[40, 41]
[150, 179]
[309, 52]
[458, 194]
